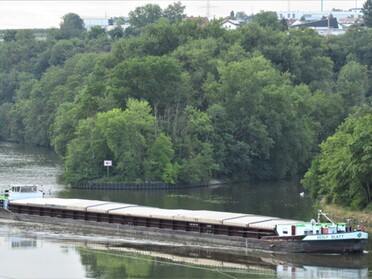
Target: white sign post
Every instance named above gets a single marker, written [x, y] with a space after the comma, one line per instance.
[108, 164]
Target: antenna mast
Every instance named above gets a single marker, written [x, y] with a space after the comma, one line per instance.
[208, 8]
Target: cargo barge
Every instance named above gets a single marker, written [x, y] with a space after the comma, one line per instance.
[195, 227]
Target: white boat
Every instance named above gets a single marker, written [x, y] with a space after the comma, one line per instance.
[20, 192]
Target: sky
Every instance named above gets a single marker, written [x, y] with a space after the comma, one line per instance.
[47, 13]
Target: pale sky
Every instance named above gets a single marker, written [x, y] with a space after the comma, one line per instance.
[45, 14]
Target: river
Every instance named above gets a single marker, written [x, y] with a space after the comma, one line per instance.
[44, 252]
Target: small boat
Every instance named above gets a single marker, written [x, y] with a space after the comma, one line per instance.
[20, 192]
[23, 192]
[224, 229]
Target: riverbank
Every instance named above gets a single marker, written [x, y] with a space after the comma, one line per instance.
[338, 212]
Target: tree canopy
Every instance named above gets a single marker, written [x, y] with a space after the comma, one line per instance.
[181, 102]
[72, 26]
[342, 172]
[367, 12]
[145, 15]
[174, 12]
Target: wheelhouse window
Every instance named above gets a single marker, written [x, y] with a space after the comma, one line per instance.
[24, 189]
[28, 189]
[16, 189]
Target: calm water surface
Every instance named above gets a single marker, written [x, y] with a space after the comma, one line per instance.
[46, 253]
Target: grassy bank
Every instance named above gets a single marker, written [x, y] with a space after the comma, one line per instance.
[338, 212]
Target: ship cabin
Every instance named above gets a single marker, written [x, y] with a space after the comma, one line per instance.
[310, 228]
[23, 192]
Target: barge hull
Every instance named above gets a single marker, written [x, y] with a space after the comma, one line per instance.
[196, 238]
[345, 246]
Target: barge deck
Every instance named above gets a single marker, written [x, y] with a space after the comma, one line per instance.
[202, 221]
[225, 229]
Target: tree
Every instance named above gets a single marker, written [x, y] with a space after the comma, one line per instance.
[128, 134]
[72, 26]
[60, 52]
[367, 12]
[235, 53]
[124, 136]
[24, 35]
[41, 99]
[158, 80]
[267, 19]
[283, 25]
[360, 165]
[267, 118]
[160, 38]
[22, 53]
[116, 33]
[44, 99]
[160, 165]
[64, 127]
[145, 15]
[10, 83]
[4, 121]
[10, 35]
[85, 153]
[355, 45]
[95, 32]
[302, 52]
[174, 12]
[342, 171]
[193, 147]
[242, 16]
[352, 84]
[313, 66]
[198, 58]
[329, 112]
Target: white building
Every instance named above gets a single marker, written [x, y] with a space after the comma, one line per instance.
[123, 26]
[309, 16]
[230, 24]
[90, 22]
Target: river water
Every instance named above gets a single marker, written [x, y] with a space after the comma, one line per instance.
[40, 251]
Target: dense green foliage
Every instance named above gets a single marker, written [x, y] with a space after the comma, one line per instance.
[174, 101]
[367, 12]
[343, 170]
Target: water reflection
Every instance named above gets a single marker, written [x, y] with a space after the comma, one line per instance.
[246, 264]
[97, 258]
[22, 257]
[23, 243]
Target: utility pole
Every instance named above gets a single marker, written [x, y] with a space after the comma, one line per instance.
[208, 8]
